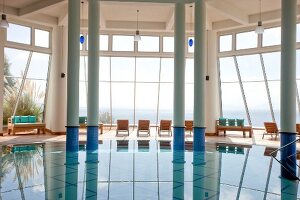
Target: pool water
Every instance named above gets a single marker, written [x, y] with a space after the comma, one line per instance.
[141, 170]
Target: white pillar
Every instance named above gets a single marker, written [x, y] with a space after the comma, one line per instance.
[2, 39]
[212, 108]
[56, 103]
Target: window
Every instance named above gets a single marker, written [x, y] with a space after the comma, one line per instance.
[272, 36]
[19, 34]
[42, 38]
[246, 40]
[168, 44]
[148, 44]
[122, 69]
[147, 69]
[103, 43]
[123, 43]
[225, 43]
[227, 70]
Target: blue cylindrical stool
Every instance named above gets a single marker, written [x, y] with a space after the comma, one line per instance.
[288, 155]
[92, 138]
[178, 138]
[199, 139]
[72, 144]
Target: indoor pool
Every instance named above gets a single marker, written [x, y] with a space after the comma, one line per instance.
[141, 170]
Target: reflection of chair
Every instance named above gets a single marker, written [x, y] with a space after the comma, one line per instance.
[189, 125]
[122, 125]
[271, 129]
[165, 125]
[143, 125]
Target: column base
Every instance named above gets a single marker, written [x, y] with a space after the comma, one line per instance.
[178, 138]
[72, 144]
[92, 138]
[199, 139]
[288, 161]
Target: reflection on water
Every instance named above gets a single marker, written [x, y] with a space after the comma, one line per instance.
[141, 170]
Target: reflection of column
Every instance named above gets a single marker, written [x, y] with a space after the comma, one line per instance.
[288, 86]
[179, 70]
[178, 174]
[199, 175]
[2, 39]
[93, 77]
[73, 76]
[91, 175]
[199, 74]
[289, 189]
[71, 176]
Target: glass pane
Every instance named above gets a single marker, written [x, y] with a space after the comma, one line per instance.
[122, 69]
[232, 101]
[146, 101]
[104, 69]
[257, 100]
[123, 43]
[272, 65]
[274, 87]
[83, 98]
[191, 48]
[167, 70]
[38, 68]
[16, 62]
[103, 43]
[42, 38]
[228, 70]
[189, 101]
[225, 43]
[189, 70]
[250, 68]
[166, 101]
[104, 103]
[298, 64]
[246, 40]
[122, 101]
[13, 34]
[168, 44]
[298, 32]
[148, 44]
[83, 68]
[147, 69]
[272, 36]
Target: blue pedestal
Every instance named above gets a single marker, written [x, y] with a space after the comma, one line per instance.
[92, 138]
[72, 143]
[199, 139]
[178, 138]
[289, 163]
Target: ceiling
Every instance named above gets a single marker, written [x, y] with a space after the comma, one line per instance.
[122, 14]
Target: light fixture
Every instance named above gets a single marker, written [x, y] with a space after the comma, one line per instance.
[191, 41]
[81, 39]
[3, 22]
[137, 36]
[259, 29]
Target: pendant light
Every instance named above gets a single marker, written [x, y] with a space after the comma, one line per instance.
[259, 29]
[191, 41]
[82, 39]
[137, 36]
[3, 22]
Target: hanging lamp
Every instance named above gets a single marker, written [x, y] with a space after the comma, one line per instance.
[4, 23]
[137, 36]
[259, 29]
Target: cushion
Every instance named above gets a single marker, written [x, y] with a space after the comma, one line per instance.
[222, 121]
[231, 122]
[15, 119]
[24, 119]
[32, 119]
[82, 120]
[240, 122]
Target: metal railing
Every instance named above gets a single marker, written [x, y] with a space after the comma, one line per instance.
[273, 154]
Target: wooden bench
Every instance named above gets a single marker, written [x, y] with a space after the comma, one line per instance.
[21, 127]
[244, 129]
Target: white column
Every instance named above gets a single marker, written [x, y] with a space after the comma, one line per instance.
[2, 39]
[56, 103]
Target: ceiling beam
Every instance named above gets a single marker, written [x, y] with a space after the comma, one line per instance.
[102, 19]
[230, 11]
[130, 25]
[170, 21]
[9, 10]
[63, 17]
[38, 6]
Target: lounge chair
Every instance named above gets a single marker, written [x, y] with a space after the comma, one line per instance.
[165, 125]
[188, 126]
[271, 129]
[143, 125]
[122, 125]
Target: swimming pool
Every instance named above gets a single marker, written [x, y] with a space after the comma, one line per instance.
[141, 170]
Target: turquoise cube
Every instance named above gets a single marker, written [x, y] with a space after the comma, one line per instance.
[82, 120]
[222, 121]
[24, 119]
[231, 122]
[240, 122]
[32, 119]
[16, 119]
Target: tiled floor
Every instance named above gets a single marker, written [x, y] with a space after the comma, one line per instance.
[231, 137]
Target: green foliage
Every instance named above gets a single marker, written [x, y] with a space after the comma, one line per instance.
[105, 118]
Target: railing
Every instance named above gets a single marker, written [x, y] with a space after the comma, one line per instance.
[273, 154]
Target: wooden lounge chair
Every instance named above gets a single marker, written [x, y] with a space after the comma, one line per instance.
[165, 125]
[271, 129]
[189, 125]
[143, 125]
[122, 125]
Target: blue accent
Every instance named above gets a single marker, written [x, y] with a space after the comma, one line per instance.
[72, 144]
[199, 139]
[81, 39]
[92, 138]
[191, 42]
[289, 163]
[178, 138]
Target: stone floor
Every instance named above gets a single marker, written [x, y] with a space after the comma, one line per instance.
[231, 137]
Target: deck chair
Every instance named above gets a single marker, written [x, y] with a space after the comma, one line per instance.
[143, 125]
[122, 125]
[165, 125]
[271, 129]
[188, 125]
